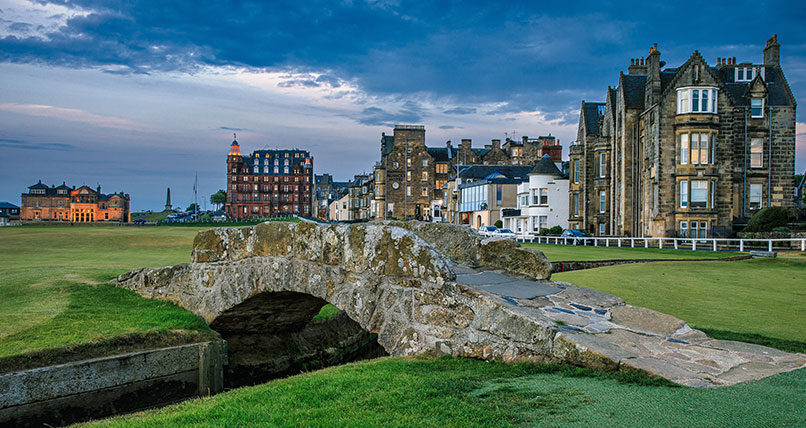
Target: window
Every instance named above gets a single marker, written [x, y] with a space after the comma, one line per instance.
[425, 176]
[395, 165]
[699, 194]
[684, 194]
[683, 149]
[576, 204]
[755, 196]
[408, 162]
[576, 172]
[408, 190]
[602, 201]
[756, 153]
[499, 194]
[535, 224]
[696, 100]
[684, 229]
[408, 175]
[544, 196]
[602, 229]
[543, 221]
[425, 163]
[425, 191]
[602, 165]
[756, 107]
[699, 229]
[746, 74]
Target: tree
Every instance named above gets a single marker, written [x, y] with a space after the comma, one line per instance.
[218, 198]
[193, 207]
[768, 219]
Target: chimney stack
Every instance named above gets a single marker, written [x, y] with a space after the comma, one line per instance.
[772, 52]
[496, 144]
[466, 143]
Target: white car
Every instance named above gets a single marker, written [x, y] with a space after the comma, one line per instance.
[488, 230]
[505, 233]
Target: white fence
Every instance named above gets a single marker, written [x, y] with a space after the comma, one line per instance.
[711, 244]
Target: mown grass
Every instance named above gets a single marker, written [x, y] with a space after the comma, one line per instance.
[448, 392]
[53, 283]
[761, 297]
[589, 253]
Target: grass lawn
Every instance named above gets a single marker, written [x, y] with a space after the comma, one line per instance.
[564, 253]
[55, 293]
[764, 297]
[150, 216]
[446, 392]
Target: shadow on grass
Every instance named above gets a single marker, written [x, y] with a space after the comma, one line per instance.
[771, 342]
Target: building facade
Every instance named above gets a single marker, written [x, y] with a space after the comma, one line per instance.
[542, 200]
[9, 213]
[78, 205]
[485, 190]
[410, 177]
[689, 151]
[268, 183]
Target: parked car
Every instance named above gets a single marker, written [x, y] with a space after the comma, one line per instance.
[487, 230]
[505, 233]
[575, 233]
[139, 221]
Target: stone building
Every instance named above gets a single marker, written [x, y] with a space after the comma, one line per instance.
[81, 205]
[268, 183]
[410, 177]
[687, 151]
[326, 190]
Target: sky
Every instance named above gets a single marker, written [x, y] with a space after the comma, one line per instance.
[138, 96]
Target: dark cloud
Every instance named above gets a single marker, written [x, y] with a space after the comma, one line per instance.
[447, 127]
[20, 144]
[229, 128]
[375, 116]
[460, 110]
[20, 26]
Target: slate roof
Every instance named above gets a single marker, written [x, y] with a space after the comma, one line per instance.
[440, 154]
[591, 113]
[39, 185]
[7, 205]
[481, 152]
[546, 166]
[633, 86]
[515, 172]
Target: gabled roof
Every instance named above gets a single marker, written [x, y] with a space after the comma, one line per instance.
[4, 204]
[481, 152]
[591, 114]
[63, 186]
[546, 166]
[440, 154]
[633, 86]
[39, 185]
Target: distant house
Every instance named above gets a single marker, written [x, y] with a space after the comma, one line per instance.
[542, 201]
[485, 189]
[81, 205]
[9, 213]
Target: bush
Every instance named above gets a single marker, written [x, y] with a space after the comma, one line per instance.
[543, 231]
[499, 224]
[768, 219]
[556, 230]
[781, 229]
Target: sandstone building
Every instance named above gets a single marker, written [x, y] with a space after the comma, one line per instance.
[81, 205]
[268, 183]
[687, 151]
[409, 178]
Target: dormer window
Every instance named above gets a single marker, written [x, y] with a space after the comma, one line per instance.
[746, 74]
[756, 107]
[696, 100]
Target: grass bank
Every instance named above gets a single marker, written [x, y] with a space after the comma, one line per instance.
[588, 253]
[762, 297]
[55, 296]
[446, 392]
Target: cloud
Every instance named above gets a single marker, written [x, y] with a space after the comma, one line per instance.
[460, 110]
[447, 127]
[73, 115]
[375, 116]
[20, 144]
[229, 128]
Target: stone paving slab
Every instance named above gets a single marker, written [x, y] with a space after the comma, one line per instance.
[595, 329]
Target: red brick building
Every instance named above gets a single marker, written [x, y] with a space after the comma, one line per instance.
[269, 182]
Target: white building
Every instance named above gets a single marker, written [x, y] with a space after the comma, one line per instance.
[542, 201]
[339, 210]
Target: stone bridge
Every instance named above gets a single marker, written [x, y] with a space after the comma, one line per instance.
[434, 288]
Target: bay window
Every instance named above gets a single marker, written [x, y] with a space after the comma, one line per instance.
[697, 149]
[696, 100]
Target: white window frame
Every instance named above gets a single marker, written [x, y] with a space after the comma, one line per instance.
[704, 104]
[755, 196]
[602, 165]
[684, 229]
[684, 149]
[543, 222]
[699, 189]
[757, 156]
[602, 229]
[543, 194]
[683, 193]
[602, 201]
[760, 108]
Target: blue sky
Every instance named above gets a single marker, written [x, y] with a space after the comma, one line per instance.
[140, 95]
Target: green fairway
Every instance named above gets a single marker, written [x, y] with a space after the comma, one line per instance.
[55, 293]
[447, 392]
[759, 296]
[565, 253]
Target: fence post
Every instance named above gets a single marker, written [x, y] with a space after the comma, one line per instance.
[619, 242]
[769, 245]
[595, 242]
[741, 245]
[632, 243]
[675, 243]
[714, 244]
[694, 245]
[660, 243]
[803, 245]
[607, 242]
[646, 243]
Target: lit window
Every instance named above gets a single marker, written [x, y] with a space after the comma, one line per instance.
[756, 153]
[696, 100]
[425, 191]
[425, 176]
[684, 194]
[683, 149]
[408, 175]
[755, 196]
[756, 107]
[408, 190]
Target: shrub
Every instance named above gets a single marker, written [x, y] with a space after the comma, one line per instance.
[543, 231]
[556, 230]
[768, 219]
[781, 229]
[499, 224]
